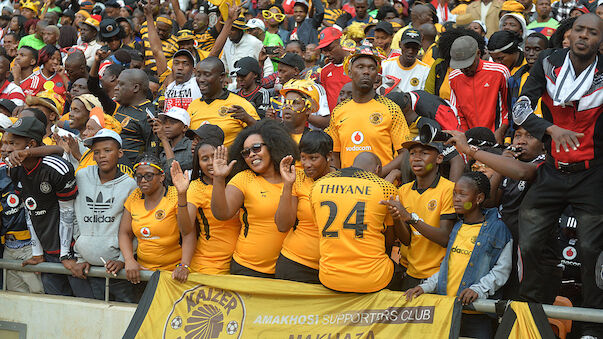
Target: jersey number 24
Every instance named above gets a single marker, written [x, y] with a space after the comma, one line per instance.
[358, 226]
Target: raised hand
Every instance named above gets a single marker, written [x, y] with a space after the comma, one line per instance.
[221, 166]
[179, 179]
[459, 140]
[287, 169]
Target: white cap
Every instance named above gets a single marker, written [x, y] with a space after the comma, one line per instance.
[103, 134]
[256, 23]
[178, 114]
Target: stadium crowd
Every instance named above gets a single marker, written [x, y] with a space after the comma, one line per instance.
[292, 140]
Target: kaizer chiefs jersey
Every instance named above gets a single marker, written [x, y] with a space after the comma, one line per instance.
[41, 188]
[377, 126]
[351, 223]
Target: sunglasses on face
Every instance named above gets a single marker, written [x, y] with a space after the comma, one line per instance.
[255, 148]
[277, 16]
[295, 102]
[147, 177]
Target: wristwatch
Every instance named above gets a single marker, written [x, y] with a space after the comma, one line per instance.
[67, 257]
[414, 218]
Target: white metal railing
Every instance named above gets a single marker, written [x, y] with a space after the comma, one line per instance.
[481, 305]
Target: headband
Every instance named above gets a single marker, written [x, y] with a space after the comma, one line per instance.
[148, 164]
[164, 20]
[503, 48]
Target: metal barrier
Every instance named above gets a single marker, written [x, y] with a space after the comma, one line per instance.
[481, 305]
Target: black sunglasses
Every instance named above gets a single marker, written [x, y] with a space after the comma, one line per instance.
[255, 148]
[147, 177]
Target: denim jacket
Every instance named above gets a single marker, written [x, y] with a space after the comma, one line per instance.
[493, 237]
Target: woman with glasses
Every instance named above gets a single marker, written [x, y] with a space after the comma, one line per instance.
[254, 190]
[273, 17]
[299, 256]
[157, 216]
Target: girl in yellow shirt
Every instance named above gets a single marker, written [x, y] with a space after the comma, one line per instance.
[255, 156]
[300, 255]
[157, 216]
[216, 239]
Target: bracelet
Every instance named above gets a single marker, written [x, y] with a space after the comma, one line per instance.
[185, 266]
[182, 205]
[474, 149]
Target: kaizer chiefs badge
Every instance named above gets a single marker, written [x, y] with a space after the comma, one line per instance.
[160, 214]
[376, 118]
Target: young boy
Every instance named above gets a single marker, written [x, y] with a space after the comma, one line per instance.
[103, 190]
[248, 82]
[428, 210]
[171, 130]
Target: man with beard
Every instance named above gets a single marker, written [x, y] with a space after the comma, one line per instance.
[218, 106]
[367, 122]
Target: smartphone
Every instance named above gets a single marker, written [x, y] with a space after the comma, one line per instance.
[271, 50]
[150, 114]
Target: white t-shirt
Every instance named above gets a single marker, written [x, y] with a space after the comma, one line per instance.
[412, 78]
[248, 46]
[181, 95]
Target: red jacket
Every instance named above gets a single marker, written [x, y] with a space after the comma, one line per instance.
[481, 100]
[332, 78]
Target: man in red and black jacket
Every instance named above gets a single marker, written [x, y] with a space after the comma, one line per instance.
[570, 82]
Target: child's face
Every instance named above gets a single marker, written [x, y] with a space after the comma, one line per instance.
[465, 196]
[173, 128]
[206, 160]
[423, 160]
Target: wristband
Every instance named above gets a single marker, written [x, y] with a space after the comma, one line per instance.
[185, 266]
[182, 205]
[473, 149]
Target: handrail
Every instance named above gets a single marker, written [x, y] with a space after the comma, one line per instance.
[481, 305]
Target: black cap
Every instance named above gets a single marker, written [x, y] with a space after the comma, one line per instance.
[186, 53]
[385, 26]
[293, 60]
[481, 134]
[122, 19]
[208, 132]
[245, 65]
[28, 127]
[109, 28]
[411, 35]
[69, 13]
[8, 104]
[112, 3]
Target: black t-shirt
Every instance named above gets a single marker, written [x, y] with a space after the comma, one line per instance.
[50, 181]
[512, 196]
[137, 133]
[259, 98]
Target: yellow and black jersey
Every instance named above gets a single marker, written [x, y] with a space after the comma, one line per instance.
[213, 112]
[331, 15]
[260, 241]
[156, 230]
[169, 47]
[301, 243]
[351, 224]
[206, 40]
[377, 126]
[432, 205]
[217, 239]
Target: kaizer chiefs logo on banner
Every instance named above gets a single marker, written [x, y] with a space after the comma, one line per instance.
[205, 312]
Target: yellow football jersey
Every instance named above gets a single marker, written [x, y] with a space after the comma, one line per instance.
[433, 204]
[377, 126]
[351, 223]
[156, 230]
[217, 238]
[460, 253]
[260, 241]
[203, 112]
[301, 243]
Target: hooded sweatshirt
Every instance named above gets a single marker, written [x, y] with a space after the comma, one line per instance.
[98, 211]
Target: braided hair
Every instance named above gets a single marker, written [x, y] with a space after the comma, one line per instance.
[481, 182]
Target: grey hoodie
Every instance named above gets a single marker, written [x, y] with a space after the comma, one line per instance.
[98, 211]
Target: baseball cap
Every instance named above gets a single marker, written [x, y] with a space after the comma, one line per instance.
[8, 104]
[184, 35]
[69, 13]
[303, 3]
[207, 131]
[410, 35]
[178, 114]
[463, 52]
[186, 53]
[293, 60]
[245, 65]
[256, 23]
[28, 127]
[417, 141]
[327, 36]
[112, 3]
[91, 22]
[385, 27]
[103, 134]
[109, 28]
[122, 19]
[481, 133]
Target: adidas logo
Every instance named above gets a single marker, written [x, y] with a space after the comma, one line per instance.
[99, 204]
[487, 85]
[330, 74]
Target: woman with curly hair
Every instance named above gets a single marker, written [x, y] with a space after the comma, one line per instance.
[255, 189]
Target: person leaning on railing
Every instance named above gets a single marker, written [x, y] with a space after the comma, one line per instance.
[157, 216]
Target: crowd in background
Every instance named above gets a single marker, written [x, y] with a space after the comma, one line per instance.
[446, 147]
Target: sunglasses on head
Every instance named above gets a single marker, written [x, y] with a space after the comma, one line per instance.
[147, 177]
[277, 16]
[255, 148]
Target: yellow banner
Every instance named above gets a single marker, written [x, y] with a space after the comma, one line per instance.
[244, 307]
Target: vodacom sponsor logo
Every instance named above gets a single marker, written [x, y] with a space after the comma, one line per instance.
[357, 139]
